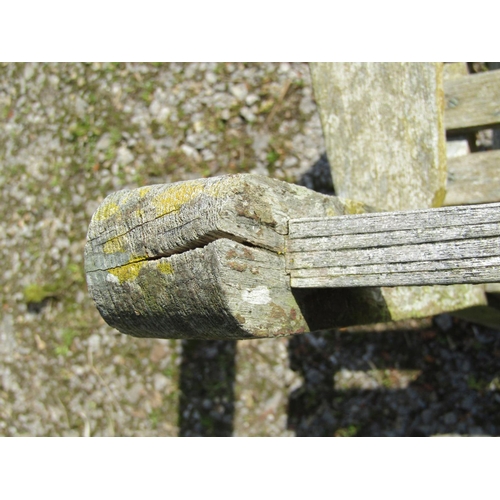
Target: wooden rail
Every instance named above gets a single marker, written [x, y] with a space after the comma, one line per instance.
[423, 247]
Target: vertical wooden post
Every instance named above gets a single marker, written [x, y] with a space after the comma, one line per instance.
[385, 140]
[383, 126]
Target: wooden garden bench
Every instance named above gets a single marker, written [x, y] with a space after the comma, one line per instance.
[245, 256]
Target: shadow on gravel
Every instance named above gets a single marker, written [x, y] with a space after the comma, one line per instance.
[319, 177]
[440, 380]
[206, 406]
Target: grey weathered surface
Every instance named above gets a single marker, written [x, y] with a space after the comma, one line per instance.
[385, 138]
[200, 259]
[383, 126]
[160, 220]
[472, 102]
[437, 246]
[474, 178]
[454, 70]
[223, 290]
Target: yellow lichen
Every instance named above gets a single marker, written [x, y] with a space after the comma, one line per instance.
[127, 272]
[165, 267]
[172, 199]
[438, 198]
[114, 245]
[143, 191]
[106, 210]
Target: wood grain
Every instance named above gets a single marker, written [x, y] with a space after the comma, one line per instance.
[385, 138]
[384, 133]
[223, 290]
[439, 246]
[474, 178]
[472, 102]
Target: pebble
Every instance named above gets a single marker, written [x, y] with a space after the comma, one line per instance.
[160, 382]
[247, 114]
[251, 99]
[450, 418]
[239, 91]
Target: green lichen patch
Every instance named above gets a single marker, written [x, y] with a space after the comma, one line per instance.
[35, 293]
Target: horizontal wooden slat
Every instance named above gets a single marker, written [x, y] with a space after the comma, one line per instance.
[381, 253]
[438, 246]
[401, 267]
[472, 102]
[386, 238]
[391, 221]
[473, 178]
[471, 276]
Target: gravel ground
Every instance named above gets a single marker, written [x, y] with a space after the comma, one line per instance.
[73, 133]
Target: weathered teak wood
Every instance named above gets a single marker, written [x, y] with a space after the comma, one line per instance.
[202, 258]
[472, 102]
[474, 178]
[206, 259]
[383, 126]
[385, 139]
[437, 246]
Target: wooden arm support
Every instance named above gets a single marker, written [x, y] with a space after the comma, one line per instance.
[439, 246]
[200, 259]
[212, 258]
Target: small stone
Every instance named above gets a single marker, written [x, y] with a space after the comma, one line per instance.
[477, 431]
[210, 77]
[444, 322]
[160, 382]
[251, 99]
[307, 105]
[29, 71]
[135, 392]
[54, 80]
[225, 114]
[190, 151]
[427, 416]
[163, 114]
[284, 67]
[94, 342]
[207, 155]
[239, 91]
[468, 402]
[290, 161]
[450, 418]
[103, 143]
[198, 126]
[247, 114]
[154, 107]
[124, 156]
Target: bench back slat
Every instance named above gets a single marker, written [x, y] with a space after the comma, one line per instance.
[472, 102]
